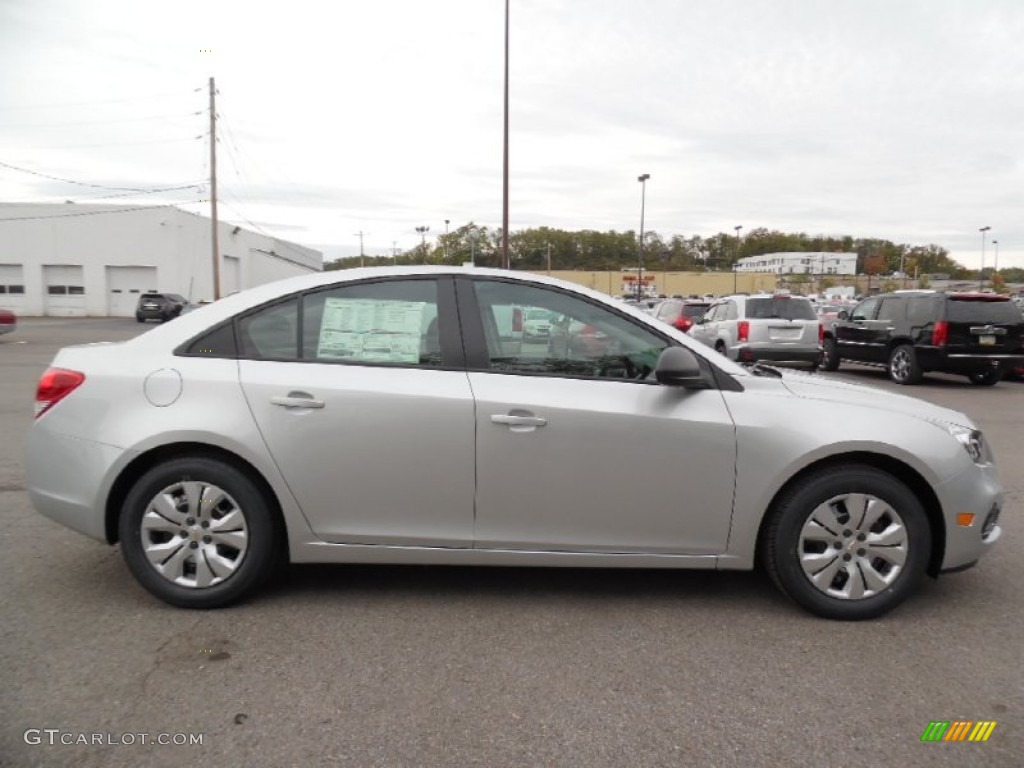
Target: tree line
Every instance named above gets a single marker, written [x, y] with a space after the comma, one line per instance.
[589, 250]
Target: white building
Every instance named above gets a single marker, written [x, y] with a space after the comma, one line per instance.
[808, 263]
[95, 260]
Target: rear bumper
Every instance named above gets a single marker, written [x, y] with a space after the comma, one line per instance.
[776, 353]
[67, 479]
[934, 359]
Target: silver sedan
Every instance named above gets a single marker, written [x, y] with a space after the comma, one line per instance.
[380, 416]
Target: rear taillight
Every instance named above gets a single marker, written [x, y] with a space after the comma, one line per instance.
[683, 323]
[54, 386]
[940, 333]
[517, 319]
[821, 333]
[742, 330]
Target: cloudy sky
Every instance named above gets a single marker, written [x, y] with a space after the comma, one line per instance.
[900, 119]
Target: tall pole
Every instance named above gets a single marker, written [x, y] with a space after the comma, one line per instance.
[642, 178]
[446, 222]
[549, 259]
[360, 235]
[423, 234]
[981, 273]
[995, 268]
[736, 263]
[213, 193]
[504, 175]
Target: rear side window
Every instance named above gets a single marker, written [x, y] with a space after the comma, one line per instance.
[271, 333]
[780, 308]
[220, 342]
[982, 311]
[922, 310]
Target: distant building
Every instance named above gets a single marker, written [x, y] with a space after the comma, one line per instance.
[75, 260]
[796, 263]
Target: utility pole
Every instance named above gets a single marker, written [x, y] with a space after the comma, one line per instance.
[549, 259]
[504, 176]
[213, 192]
[360, 235]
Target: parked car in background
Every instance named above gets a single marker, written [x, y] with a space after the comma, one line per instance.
[537, 325]
[978, 335]
[8, 321]
[778, 328]
[681, 313]
[160, 306]
[278, 424]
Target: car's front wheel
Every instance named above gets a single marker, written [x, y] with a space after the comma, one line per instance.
[849, 542]
[197, 533]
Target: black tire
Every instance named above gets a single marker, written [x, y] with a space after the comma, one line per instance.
[785, 553]
[829, 355]
[140, 318]
[241, 498]
[720, 347]
[903, 367]
[986, 378]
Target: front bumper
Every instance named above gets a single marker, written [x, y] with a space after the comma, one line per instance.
[979, 492]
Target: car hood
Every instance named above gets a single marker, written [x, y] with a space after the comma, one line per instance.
[816, 387]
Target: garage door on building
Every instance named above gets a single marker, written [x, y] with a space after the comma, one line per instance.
[125, 285]
[65, 290]
[12, 287]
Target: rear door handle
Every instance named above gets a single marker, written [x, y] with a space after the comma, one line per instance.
[297, 400]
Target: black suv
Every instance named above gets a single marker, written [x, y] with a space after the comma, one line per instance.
[159, 306]
[979, 335]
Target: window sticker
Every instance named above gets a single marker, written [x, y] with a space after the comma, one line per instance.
[371, 331]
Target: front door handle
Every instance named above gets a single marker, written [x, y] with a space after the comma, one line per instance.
[297, 400]
[519, 422]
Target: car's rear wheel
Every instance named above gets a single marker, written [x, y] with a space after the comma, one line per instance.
[829, 354]
[720, 347]
[985, 378]
[849, 542]
[903, 366]
[197, 533]
[140, 318]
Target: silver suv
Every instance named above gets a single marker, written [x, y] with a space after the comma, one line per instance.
[776, 327]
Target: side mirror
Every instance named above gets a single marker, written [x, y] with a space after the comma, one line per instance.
[843, 315]
[679, 367]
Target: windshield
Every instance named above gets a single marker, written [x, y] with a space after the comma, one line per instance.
[782, 308]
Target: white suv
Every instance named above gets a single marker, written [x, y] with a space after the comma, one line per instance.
[775, 327]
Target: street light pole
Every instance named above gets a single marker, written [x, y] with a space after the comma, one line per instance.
[446, 239]
[981, 273]
[423, 235]
[736, 263]
[640, 250]
[995, 268]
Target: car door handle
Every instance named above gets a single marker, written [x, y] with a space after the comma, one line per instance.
[518, 421]
[297, 400]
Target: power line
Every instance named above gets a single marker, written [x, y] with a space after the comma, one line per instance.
[150, 97]
[86, 183]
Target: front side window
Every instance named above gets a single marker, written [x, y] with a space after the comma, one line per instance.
[389, 322]
[584, 339]
[865, 310]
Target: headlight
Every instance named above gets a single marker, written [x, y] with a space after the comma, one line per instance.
[973, 442]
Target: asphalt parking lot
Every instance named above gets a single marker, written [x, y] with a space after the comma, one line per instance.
[392, 666]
